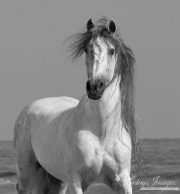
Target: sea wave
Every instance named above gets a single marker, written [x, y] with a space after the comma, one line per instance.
[169, 175]
[9, 173]
[6, 182]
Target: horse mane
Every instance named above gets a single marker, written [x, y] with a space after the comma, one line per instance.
[125, 68]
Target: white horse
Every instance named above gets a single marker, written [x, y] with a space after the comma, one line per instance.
[62, 142]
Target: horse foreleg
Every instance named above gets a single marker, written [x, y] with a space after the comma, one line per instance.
[63, 188]
[75, 187]
[56, 186]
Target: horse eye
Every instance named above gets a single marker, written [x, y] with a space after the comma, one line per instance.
[86, 50]
[111, 51]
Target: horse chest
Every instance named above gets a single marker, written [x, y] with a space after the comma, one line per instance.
[94, 160]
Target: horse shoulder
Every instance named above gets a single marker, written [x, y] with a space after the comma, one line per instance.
[49, 117]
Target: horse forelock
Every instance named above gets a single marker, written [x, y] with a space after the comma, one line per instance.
[125, 69]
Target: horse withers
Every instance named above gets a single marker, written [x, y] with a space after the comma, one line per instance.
[62, 142]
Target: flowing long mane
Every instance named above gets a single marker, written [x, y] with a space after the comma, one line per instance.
[125, 68]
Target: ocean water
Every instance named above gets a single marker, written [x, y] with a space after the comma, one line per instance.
[162, 168]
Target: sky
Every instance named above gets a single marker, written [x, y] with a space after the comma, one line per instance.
[33, 64]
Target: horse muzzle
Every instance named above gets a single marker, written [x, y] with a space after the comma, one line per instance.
[95, 89]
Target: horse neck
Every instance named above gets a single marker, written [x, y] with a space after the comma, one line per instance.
[105, 112]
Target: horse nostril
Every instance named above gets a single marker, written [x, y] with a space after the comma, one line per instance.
[88, 85]
[99, 86]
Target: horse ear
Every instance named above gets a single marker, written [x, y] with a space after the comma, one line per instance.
[90, 24]
[112, 26]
